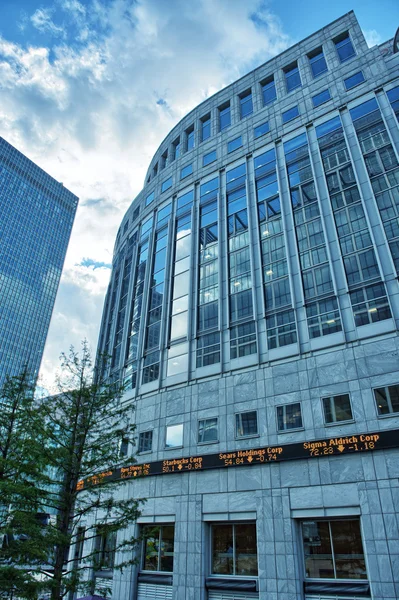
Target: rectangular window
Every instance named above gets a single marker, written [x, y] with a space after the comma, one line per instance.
[333, 550]
[292, 77]
[289, 416]
[234, 144]
[344, 47]
[176, 148]
[246, 424]
[123, 446]
[174, 436]
[234, 549]
[105, 548]
[317, 62]
[207, 431]
[246, 105]
[393, 97]
[224, 116]
[205, 128]
[261, 129]
[387, 399]
[186, 171]
[290, 114]
[149, 198]
[158, 551]
[318, 99]
[145, 441]
[209, 158]
[166, 184]
[208, 348]
[190, 138]
[268, 91]
[243, 340]
[353, 80]
[337, 409]
[281, 329]
[164, 159]
[370, 304]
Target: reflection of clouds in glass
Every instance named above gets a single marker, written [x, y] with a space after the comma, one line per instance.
[178, 359]
[179, 326]
[174, 436]
[183, 232]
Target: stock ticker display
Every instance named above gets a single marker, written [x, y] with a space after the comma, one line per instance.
[336, 446]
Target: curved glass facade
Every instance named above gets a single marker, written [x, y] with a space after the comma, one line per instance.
[253, 315]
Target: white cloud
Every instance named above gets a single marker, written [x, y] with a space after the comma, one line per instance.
[86, 111]
[373, 38]
[41, 20]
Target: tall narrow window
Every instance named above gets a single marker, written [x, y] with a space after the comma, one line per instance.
[393, 97]
[205, 128]
[224, 116]
[268, 90]
[344, 47]
[292, 77]
[176, 148]
[246, 105]
[317, 62]
[190, 133]
[387, 399]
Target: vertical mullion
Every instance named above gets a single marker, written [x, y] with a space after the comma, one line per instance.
[234, 549]
[159, 548]
[332, 549]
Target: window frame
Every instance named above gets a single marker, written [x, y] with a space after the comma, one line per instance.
[143, 548]
[205, 441]
[316, 54]
[298, 114]
[204, 123]
[320, 94]
[233, 525]
[143, 433]
[268, 83]
[289, 429]
[257, 128]
[347, 79]
[232, 144]
[223, 109]
[340, 38]
[166, 447]
[239, 423]
[333, 410]
[289, 71]
[246, 100]
[391, 413]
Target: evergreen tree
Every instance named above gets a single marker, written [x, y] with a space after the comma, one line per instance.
[79, 433]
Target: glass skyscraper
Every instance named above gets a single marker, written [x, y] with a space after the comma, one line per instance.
[36, 218]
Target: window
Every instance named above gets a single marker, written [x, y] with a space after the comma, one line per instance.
[123, 446]
[208, 349]
[234, 144]
[174, 436]
[354, 80]
[190, 138]
[370, 304]
[387, 399]
[317, 62]
[318, 99]
[337, 408]
[292, 77]
[290, 114]
[246, 424]
[243, 340]
[224, 116]
[261, 129]
[105, 548]
[186, 171]
[289, 416]
[393, 97]
[205, 128]
[281, 329]
[145, 441]
[344, 47]
[333, 550]
[268, 91]
[149, 198]
[234, 550]
[176, 148]
[246, 105]
[158, 552]
[207, 431]
[209, 158]
[166, 184]
[79, 544]
[164, 159]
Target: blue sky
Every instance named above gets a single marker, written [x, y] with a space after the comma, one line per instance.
[89, 88]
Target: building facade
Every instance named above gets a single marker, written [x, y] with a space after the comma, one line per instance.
[36, 218]
[253, 314]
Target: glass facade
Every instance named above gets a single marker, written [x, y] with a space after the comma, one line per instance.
[36, 218]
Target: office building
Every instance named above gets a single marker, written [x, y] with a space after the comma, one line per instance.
[253, 314]
[36, 217]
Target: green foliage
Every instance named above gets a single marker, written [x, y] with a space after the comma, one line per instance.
[50, 445]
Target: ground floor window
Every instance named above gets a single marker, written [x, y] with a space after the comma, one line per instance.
[234, 549]
[105, 548]
[333, 549]
[158, 551]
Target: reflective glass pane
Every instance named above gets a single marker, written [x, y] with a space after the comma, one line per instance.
[222, 550]
[179, 326]
[348, 550]
[246, 552]
[167, 548]
[317, 549]
[174, 436]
